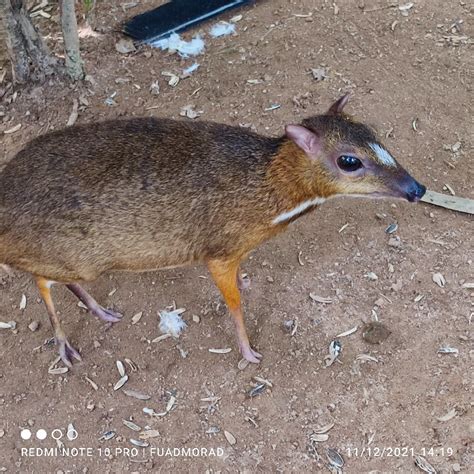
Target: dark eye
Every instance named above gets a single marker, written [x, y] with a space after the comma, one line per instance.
[349, 163]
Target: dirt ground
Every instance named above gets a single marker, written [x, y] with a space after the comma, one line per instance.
[411, 73]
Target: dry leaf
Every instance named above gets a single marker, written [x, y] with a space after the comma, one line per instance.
[334, 458]
[23, 302]
[125, 46]
[448, 350]
[173, 78]
[137, 317]
[9, 325]
[424, 465]
[439, 279]
[348, 332]
[406, 6]
[149, 434]
[139, 443]
[450, 415]
[221, 351]
[262, 380]
[366, 357]
[58, 370]
[324, 429]
[135, 394]
[320, 299]
[189, 112]
[121, 382]
[230, 438]
[74, 113]
[131, 425]
[94, 385]
[155, 88]
[170, 403]
[447, 187]
[120, 368]
[13, 129]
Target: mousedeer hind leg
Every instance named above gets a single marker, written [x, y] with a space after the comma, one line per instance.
[225, 275]
[66, 351]
[95, 308]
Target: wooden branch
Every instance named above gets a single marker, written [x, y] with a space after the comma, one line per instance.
[29, 55]
[74, 64]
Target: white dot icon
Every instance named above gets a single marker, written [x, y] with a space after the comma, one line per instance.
[25, 434]
[41, 434]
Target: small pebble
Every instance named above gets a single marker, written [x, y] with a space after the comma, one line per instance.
[394, 242]
[33, 326]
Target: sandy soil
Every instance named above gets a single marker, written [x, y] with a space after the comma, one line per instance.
[406, 398]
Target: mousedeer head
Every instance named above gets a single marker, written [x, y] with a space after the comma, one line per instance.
[346, 158]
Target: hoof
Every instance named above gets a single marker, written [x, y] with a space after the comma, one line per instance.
[249, 354]
[243, 282]
[107, 315]
[67, 352]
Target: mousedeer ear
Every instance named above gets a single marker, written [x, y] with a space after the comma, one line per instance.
[307, 140]
[338, 106]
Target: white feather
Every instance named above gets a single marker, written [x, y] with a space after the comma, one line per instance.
[184, 48]
[172, 323]
[222, 29]
[297, 210]
[383, 155]
[189, 70]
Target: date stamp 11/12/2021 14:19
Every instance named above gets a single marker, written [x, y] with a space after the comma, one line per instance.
[398, 451]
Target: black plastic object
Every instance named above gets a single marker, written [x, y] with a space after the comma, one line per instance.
[175, 16]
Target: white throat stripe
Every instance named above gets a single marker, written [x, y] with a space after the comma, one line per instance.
[297, 210]
[383, 155]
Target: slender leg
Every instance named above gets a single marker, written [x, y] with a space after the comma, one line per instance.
[225, 275]
[66, 351]
[92, 305]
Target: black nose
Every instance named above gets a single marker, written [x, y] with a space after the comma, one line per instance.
[416, 191]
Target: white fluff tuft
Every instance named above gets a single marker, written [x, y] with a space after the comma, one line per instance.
[222, 29]
[189, 70]
[172, 323]
[174, 43]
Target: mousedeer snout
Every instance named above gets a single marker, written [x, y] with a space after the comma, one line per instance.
[409, 188]
[415, 191]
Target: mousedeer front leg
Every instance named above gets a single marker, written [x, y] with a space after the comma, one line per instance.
[95, 308]
[66, 351]
[225, 275]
